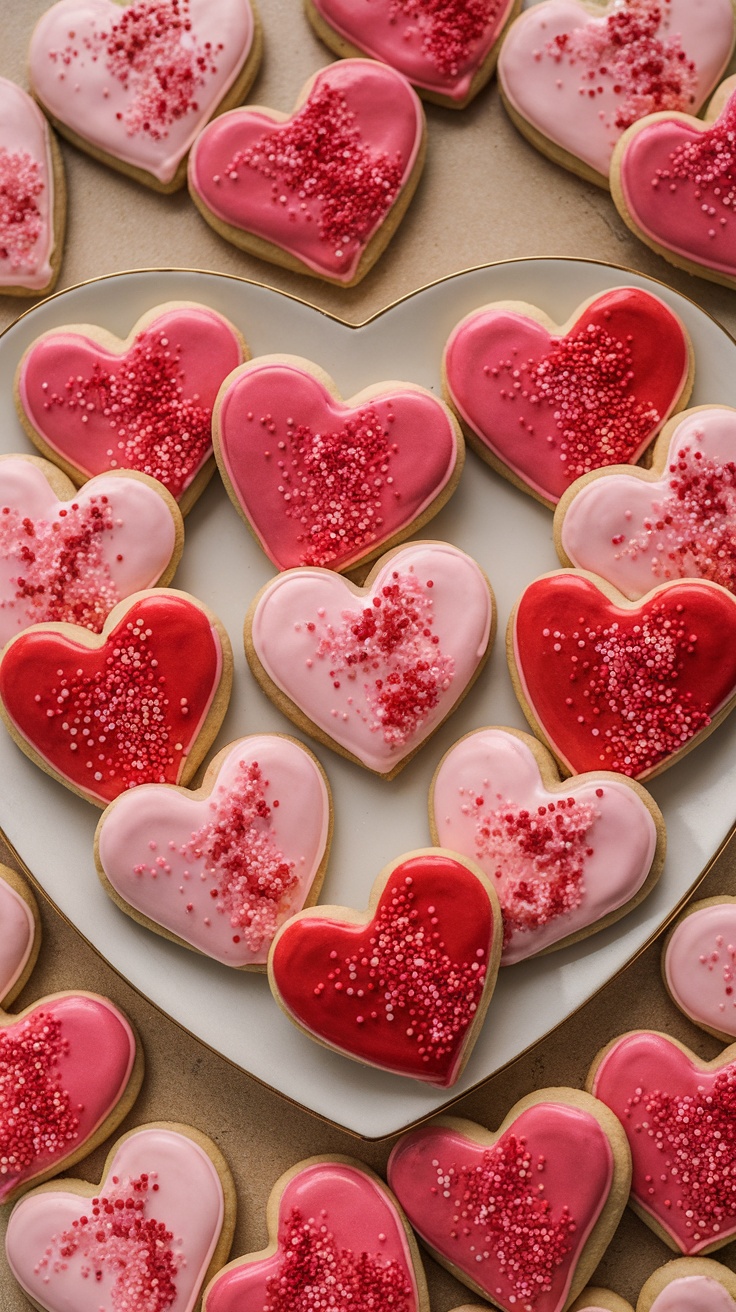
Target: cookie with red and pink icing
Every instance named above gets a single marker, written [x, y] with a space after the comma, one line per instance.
[405, 985]
[132, 84]
[689, 1284]
[68, 555]
[139, 703]
[153, 1230]
[322, 481]
[74, 383]
[20, 934]
[32, 197]
[448, 51]
[673, 179]
[638, 528]
[373, 671]
[594, 1299]
[566, 858]
[323, 189]
[337, 1237]
[543, 404]
[221, 868]
[509, 1212]
[627, 686]
[699, 965]
[575, 75]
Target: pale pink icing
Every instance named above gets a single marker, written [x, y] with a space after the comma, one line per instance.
[693, 1294]
[96, 67]
[266, 821]
[52, 1256]
[17, 932]
[700, 966]
[319, 182]
[425, 646]
[26, 192]
[73, 560]
[559, 860]
[580, 79]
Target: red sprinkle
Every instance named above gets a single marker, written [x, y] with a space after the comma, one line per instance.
[21, 224]
[37, 1120]
[449, 29]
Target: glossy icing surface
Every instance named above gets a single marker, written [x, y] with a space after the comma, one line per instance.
[402, 991]
[581, 78]
[377, 671]
[693, 1294]
[341, 1244]
[324, 483]
[26, 192]
[223, 872]
[262, 173]
[558, 861]
[700, 966]
[17, 932]
[638, 533]
[527, 394]
[512, 1218]
[139, 84]
[624, 688]
[149, 1233]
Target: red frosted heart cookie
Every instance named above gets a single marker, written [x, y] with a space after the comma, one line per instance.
[20, 934]
[326, 482]
[153, 687]
[617, 685]
[522, 387]
[511, 1213]
[32, 197]
[405, 985]
[321, 190]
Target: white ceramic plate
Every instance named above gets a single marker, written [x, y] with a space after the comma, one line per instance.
[511, 537]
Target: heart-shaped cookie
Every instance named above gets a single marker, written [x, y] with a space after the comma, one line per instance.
[321, 190]
[673, 180]
[373, 671]
[71, 556]
[338, 1239]
[544, 404]
[222, 868]
[133, 83]
[594, 1299]
[326, 482]
[619, 685]
[689, 1284]
[73, 384]
[153, 687]
[677, 1112]
[20, 934]
[160, 1221]
[574, 78]
[33, 197]
[405, 985]
[699, 965]
[565, 859]
[639, 528]
[511, 1213]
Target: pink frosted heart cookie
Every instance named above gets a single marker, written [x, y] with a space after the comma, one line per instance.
[373, 671]
[32, 197]
[405, 985]
[325, 482]
[20, 934]
[132, 84]
[152, 1232]
[544, 404]
[699, 965]
[154, 687]
[565, 859]
[638, 528]
[594, 1299]
[74, 383]
[222, 868]
[320, 190]
[337, 1238]
[574, 78]
[446, 48]
[510, 1213]
[689, 1284]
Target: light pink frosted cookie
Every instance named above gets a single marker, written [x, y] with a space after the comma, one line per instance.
[220, 869]
[566, 859]
[689, 1284]
[133, 84]
[573, 77]
[639, 528]
[320, 190]
[594, 1299]
[32, 197]
[373, 671]
[20, 934]
[699, 965]
[153, 1230]
[337, 1239]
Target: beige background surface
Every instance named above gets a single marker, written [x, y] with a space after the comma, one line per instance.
[485, 195]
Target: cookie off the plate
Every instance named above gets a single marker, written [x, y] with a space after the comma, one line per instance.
[20, 934]
[32, 197]
[699, 965]
[689, 1284]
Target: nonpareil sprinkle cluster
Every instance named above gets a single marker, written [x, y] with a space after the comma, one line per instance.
[449, 30]
[708, 164]
[21, 222]
[37, 1119]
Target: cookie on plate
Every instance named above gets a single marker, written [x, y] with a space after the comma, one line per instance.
[20, 934]
[699, 965]
[33, 190]
[689, 1284]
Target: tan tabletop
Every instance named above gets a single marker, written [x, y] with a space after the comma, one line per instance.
[485, 196]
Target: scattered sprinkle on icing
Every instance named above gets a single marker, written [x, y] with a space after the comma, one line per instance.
[449, 30]
[21, 222]
[722, 957]
[37, 1120]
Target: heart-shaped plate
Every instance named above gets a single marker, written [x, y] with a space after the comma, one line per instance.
[511, 537]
